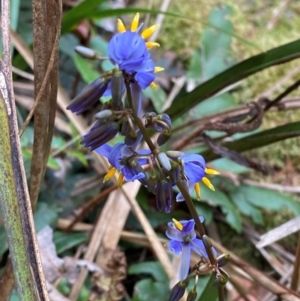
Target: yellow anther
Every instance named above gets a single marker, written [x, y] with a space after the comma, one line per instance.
[177, 224]
[153, 86]
[120, 179]
[207, 182]
[135, 22]
[197, 190]
[150, 45]
[210, 171]
[111, 172]
[158, 69]
[149, 31]
[121, 26]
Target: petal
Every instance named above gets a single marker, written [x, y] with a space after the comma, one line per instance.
[188, 227]
[147, 65]
[180, 198]
[115, 155]
[174, 234]
[132, 173]
[198, 246]
[144, 79]
[108, 90]
[185, 261]
[194, 167]
[127, 48]
[104, 150]
[175, 246]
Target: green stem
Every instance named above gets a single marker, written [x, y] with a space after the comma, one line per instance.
[138, 121]
[195, 216]
[221, 293]
[180, 186]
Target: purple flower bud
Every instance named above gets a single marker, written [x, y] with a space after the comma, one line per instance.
[164, 195]
[174, 172]
[117, 90]
[164, 161]
[125, 127]
[163, 137]
[223, 259]
[207, 241]
[174, 154]
[178, 290]
[133, 138]
[99, 134]
[151, 183]
[192, 295]
[105, 114]
[86, 52]
[165, 118]
[136, 94]
[88, 96]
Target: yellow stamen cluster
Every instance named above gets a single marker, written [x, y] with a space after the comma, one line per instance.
[147, 33]
[197, 190]
[206, 182]
[111, 172]
[177, 224]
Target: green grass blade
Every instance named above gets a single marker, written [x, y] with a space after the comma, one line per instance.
[259, 139]
[86, 10]
[210, 292]
[275, 56]
[78, 13]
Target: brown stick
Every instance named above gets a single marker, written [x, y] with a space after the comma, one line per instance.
[295, 277]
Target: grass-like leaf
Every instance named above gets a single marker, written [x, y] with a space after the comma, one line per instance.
[275, 56]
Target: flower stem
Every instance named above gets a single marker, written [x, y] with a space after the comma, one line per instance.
[137, 120]
[221, 293]
[195, 216]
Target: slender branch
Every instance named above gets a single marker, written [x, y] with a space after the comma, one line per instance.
[286, 92]
[137, 120]
[195, 216]
[295, 277]
[221, 293]
[180, 186]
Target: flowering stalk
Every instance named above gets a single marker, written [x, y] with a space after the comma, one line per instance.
[134, 71]
[195, 216]
[180, 186]
[137, 120]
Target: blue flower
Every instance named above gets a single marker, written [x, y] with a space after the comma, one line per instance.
[194, 167]
[129, 51]
[125, 160]
[183, 240]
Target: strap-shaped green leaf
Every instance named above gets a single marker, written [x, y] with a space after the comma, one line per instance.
[275, 56]
[259, 139]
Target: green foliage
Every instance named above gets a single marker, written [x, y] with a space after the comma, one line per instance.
[208, 292]
[150, 289]
[275, 56]
[259, 139]
[65, 241]
[152, 268]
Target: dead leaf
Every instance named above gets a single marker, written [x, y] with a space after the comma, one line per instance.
[54, 266]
